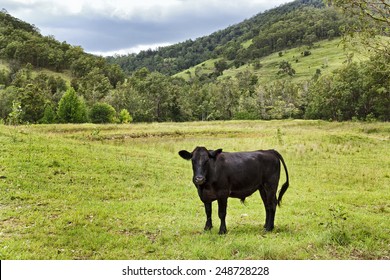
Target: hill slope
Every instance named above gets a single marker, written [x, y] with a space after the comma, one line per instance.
[21, 43]
[323, 57]
[297, 23]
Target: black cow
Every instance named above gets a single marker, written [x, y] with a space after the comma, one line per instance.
[219, 175]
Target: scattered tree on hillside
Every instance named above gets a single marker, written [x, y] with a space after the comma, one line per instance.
[286, 68]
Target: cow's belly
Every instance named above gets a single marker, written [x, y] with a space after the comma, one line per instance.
[243, 186]
[242, 193]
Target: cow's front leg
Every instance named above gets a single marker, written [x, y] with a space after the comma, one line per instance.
[222, 205]
[209, 224]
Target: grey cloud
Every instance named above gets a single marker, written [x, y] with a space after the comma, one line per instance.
[102, 31]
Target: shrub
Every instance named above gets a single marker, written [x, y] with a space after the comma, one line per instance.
[125, 117]
[102, 113]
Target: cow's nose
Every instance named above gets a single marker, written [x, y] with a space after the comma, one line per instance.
[199, 179]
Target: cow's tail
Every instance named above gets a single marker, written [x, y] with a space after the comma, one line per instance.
[286, 184]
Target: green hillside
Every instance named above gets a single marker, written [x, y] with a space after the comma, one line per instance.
[302, 22]
[325, 56]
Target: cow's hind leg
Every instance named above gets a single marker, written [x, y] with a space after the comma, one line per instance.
[208, 208]
[222, 205]
[272, 202]
[264, 198]
[268, 195]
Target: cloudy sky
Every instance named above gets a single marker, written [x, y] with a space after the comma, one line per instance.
[107, 27]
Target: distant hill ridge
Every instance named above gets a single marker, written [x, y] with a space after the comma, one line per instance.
[301, 22]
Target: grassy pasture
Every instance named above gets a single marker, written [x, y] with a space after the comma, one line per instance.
[122, 192]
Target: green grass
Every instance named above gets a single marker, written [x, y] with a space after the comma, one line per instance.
[122, 192]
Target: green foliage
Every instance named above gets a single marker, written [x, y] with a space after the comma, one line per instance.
[125, 117]
[7, 97]
[368, 19]
[102, 113]
[93, 86]
[220, 66]
[286, 68]
[49, 115]
[72, 108]
[355, 90]
[5, 78]
[15, 116]
[33, 100]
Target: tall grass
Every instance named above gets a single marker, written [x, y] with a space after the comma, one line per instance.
[122, 192]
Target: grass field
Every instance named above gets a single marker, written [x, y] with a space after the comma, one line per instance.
[122, 192]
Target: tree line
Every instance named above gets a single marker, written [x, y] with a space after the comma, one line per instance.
[355, 91]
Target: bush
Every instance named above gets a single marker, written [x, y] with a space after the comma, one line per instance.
[72, 108]
[125, 117]
[102, 113]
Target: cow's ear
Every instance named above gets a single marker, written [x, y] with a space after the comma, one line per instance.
[186, 155]
[214, 154]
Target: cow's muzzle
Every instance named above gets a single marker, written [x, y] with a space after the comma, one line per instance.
[199, 180]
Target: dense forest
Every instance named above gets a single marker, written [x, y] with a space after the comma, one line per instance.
[46, 81]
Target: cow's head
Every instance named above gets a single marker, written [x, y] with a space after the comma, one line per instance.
[201, 159]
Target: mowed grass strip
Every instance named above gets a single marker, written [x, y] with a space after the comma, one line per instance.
[122, 192]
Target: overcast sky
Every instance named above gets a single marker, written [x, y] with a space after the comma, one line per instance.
[107, 27]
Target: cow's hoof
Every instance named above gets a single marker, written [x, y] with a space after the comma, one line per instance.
[222, 231]
[268, 229]
[207, 227]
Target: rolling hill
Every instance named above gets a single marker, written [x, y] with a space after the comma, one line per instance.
[323, 57]
[299, 23]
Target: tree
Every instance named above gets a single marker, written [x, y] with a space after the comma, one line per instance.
[49, 115]
[94, 86]
[32, 99]
[7, 97]
[286, 68]
[377, 11]
[367, 19]
[220, 66]
[153, 96]
[72, 108]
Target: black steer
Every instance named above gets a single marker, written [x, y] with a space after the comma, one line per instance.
[219, 175]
